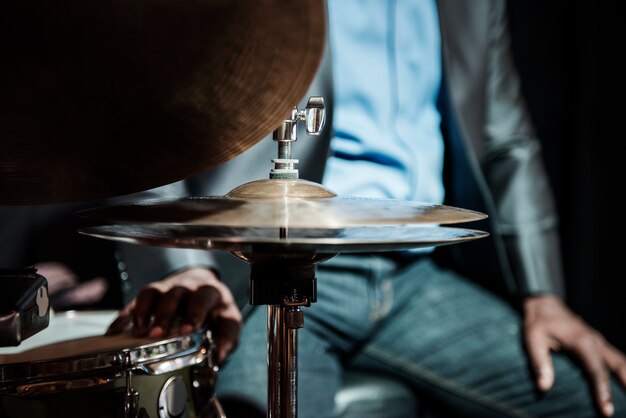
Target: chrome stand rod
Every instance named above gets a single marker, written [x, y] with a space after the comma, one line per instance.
[274, 359]
[282, 362]
[290, 387]
[285, 287]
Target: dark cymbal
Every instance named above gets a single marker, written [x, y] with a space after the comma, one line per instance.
[294, 240]
[112, 97]
[281, 204]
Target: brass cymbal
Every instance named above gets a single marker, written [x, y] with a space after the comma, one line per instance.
[281, 204]
[112, 97]
[283, 217]
[250, 240]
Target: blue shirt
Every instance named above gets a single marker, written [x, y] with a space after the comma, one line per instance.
[387, 141]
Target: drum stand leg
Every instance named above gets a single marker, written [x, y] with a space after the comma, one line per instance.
[285, 294]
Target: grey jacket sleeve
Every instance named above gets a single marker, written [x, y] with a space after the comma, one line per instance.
[512, 164]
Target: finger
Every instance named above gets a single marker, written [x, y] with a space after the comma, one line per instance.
[617, 363]
[227, 326]
[227, 341]
[124, 317]
[201, 301]
[173, 330]
[538, 346]
[590, 354]
[119, 324]
[166, 311]
[142, 313]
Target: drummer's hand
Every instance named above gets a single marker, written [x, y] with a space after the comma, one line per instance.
[551, 326]
[181, 303]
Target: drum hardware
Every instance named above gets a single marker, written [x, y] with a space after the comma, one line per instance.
[314, 116]
[173, 399]
[131, 396]
[283, 321]
[295, 287]
[203, 388]
[283, 227]
[24, 305]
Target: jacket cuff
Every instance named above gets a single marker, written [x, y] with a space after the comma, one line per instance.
[536, 264]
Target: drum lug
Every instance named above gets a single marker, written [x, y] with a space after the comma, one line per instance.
[203, 384]
[131, 404]
[128, 404]
[130, 396]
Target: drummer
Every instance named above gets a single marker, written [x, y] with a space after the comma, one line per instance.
[403, 315]
[407, 316]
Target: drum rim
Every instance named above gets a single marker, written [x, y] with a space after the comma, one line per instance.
[116, 361]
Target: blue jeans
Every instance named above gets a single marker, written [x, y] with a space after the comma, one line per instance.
[451, 341]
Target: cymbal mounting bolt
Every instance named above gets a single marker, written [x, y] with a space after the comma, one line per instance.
[314, 117]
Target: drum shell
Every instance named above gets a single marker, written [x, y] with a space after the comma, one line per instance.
[104, 401]
[96, 384]
[101, 401]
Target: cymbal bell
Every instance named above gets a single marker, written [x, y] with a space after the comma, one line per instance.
[108, 98]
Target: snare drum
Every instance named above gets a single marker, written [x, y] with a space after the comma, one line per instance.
[71, 370]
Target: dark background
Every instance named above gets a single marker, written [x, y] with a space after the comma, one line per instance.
[566, 52]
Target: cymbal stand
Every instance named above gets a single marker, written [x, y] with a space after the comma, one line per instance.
[284, 282]
[285, 285]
